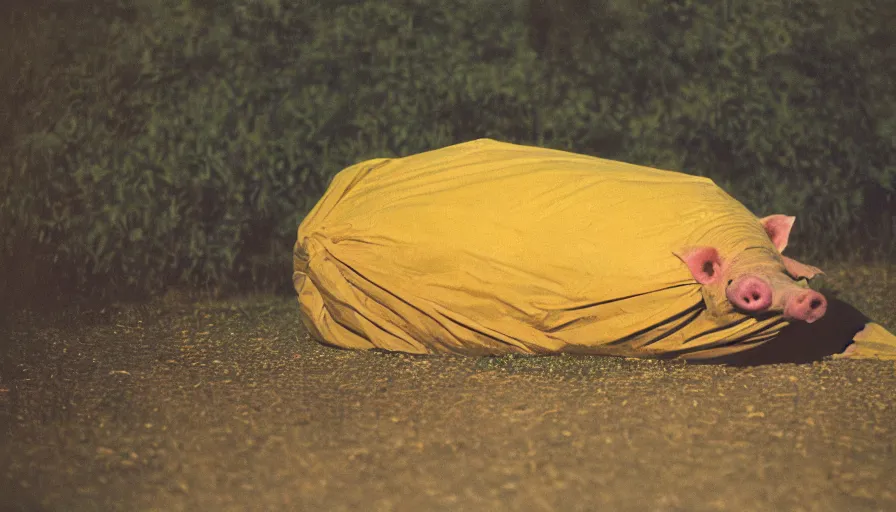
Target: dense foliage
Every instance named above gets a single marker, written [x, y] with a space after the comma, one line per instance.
[156, 142]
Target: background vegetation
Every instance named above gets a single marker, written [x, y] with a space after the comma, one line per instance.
[151, 143]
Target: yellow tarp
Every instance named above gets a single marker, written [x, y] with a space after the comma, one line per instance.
[492, 248]
[872, 342]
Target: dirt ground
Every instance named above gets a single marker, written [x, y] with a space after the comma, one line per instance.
[228, 405]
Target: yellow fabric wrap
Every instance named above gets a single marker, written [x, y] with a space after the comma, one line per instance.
[872, 342]
[491, 248]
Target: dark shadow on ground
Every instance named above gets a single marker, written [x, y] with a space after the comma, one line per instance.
[804, 343]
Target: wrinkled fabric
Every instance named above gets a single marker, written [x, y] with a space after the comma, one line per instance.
[493, 248]
[872, 342]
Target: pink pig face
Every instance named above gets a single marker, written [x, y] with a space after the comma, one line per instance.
[759, 280]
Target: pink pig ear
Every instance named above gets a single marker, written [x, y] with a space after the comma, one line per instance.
[798, 270]
[703, 262]
[778, 228]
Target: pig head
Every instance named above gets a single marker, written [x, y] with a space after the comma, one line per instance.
[758, 280]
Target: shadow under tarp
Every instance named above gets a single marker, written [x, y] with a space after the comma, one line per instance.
[805, 343]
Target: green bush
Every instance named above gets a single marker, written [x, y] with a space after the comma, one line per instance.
[161, 142]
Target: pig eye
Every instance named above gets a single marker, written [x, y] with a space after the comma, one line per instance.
[729, 282]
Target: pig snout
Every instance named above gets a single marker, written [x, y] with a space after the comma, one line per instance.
[808, 306]
[753, 294]
[750, 294]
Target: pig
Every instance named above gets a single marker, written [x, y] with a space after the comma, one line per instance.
[489, 248]
[762, 286]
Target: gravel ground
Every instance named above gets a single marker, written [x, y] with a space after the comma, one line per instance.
[228, 405]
